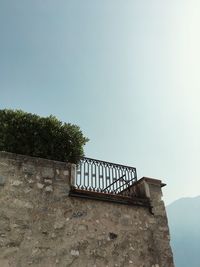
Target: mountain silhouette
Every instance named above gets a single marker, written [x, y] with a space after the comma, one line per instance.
[184, 223]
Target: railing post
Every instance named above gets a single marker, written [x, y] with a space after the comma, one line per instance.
[73, 176]
[152, 188]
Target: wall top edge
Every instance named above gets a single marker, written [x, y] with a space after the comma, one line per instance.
[152, 181]
[24, 158]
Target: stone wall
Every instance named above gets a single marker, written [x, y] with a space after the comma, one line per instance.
[41, 226]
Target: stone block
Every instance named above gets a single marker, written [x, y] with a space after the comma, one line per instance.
[47, 172]
[59, 224]
[48, 181]
[74, 252]
[16, 183]
[2, 180]
[49, 188]
[66, 173]
[22, 204]
[28, 169]
[40, 186]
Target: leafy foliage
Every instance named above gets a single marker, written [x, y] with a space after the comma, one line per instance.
[30, 134]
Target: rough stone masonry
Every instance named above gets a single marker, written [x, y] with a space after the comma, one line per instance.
[41, 226]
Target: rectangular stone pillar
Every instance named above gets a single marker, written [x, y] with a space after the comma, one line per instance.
[152, 189]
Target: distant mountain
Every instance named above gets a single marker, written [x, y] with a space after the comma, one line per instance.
[184, 223]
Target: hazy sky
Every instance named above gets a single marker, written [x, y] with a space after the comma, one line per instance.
[125, 71]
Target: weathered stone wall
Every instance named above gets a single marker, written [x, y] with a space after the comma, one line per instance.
[41, 226]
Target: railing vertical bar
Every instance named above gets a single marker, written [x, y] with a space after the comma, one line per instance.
[109, 178]
[99, 173]
[119, 175]
[91, 175]
[95, 170]
[113, 179]
[102, 176]
[80, 178]
[84, 175]
[106, 176]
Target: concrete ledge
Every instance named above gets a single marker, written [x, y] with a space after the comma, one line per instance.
[147, 187]
[135, 201]
[152, 181]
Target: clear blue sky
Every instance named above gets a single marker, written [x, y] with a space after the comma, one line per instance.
[127, 72]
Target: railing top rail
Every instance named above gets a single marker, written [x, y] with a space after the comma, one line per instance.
[107, 162]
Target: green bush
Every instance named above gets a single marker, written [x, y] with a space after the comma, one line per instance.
[28, 134]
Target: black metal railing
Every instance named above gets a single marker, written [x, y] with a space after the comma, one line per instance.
[105, 177]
